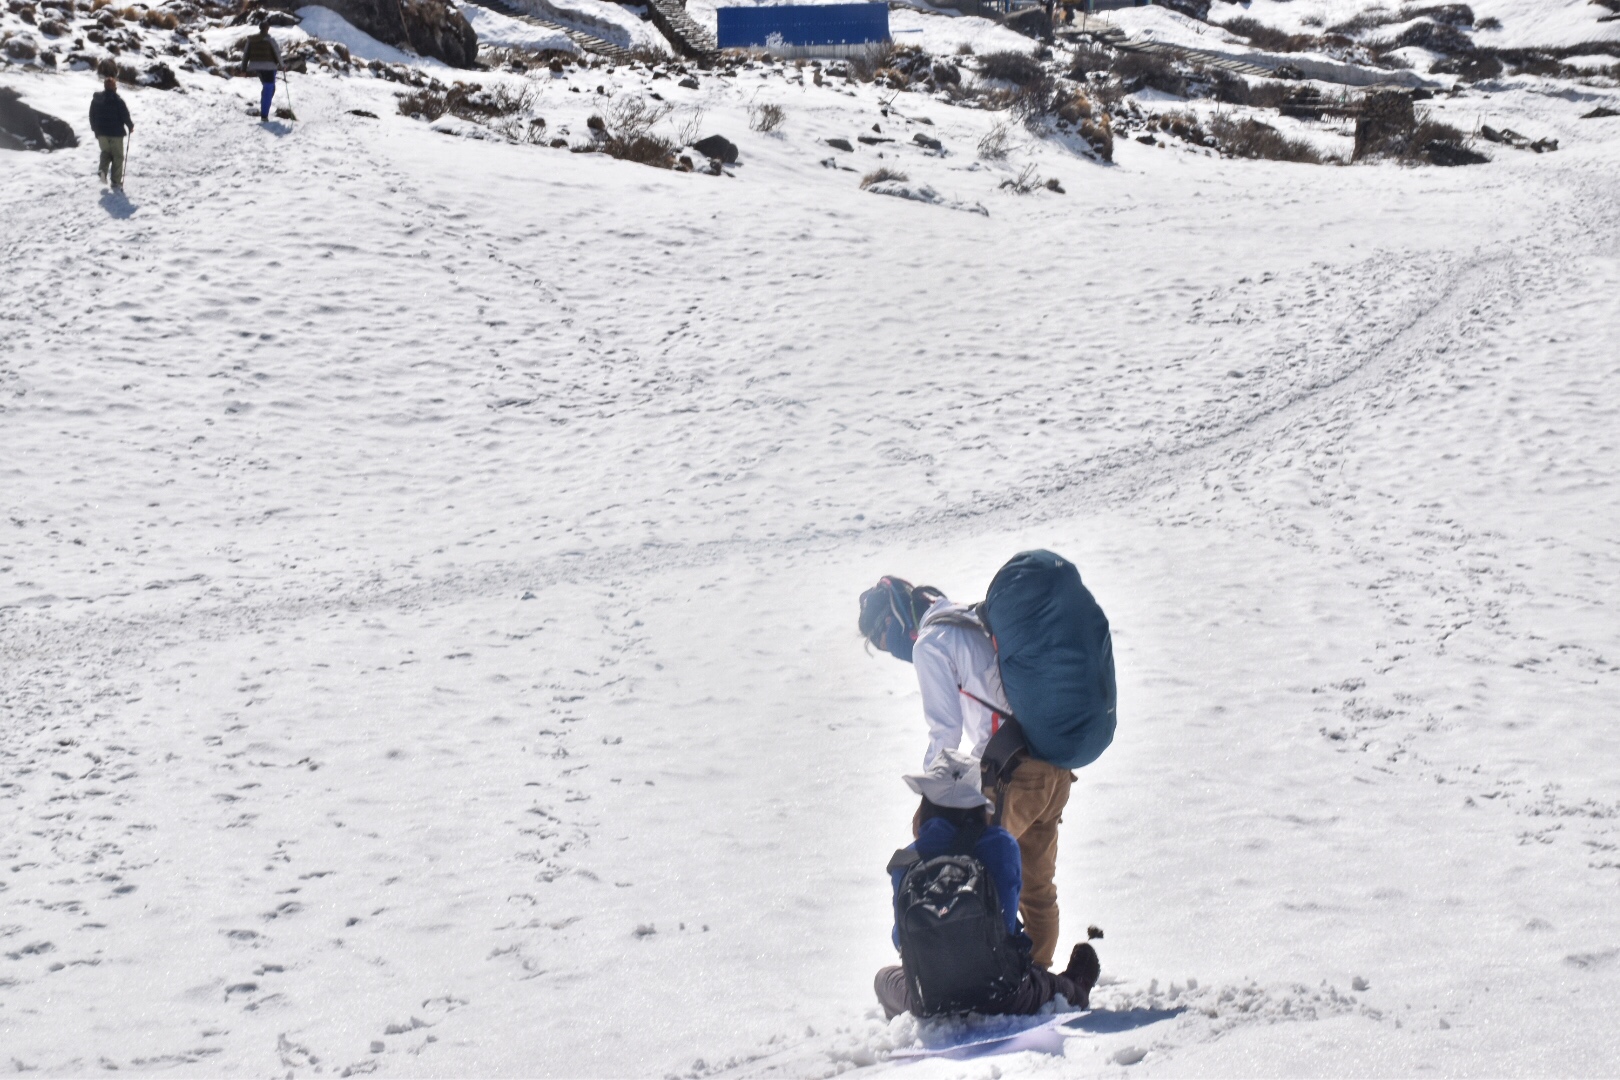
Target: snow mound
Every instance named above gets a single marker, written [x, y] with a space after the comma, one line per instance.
[493, 28]
[328, 25]
[1519, 24]
[924, 194]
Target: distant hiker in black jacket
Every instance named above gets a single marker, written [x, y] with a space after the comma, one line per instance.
[109, 119]
[261, 57]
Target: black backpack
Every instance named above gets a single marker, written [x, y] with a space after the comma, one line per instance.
[954, 945]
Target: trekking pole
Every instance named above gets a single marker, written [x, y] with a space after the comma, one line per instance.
[286, 79]
[129, 150]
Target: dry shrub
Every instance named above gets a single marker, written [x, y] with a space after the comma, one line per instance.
[893, 78]
[1183, 125]
[633, 118]
[1020, 69]
[1250, 138]
[502, 107]
[649, 55]
[1072, 106]
[642, 149]
[765, 117]
[1153, 71]
[1366, 20]
[691, 127]
[1025, 182]
[630, 121]
[1037, 100]
[877, 176]
[1441, 144]
[997, 142]
[158, 20]
[1089, 58]
[1269, 37]
[1222, 85]
[1099, 135]
[426, 105]
[864, 66]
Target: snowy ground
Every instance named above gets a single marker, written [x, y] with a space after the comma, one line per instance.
[428, 578]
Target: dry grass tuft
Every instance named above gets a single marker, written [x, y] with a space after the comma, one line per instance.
[877, 176]
[765, 118]
[997, 142]
[1269, 37]
[1149, 71]
[1250, 138]
[1020, 69]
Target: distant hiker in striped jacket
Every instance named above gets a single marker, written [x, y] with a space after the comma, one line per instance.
[262, 57]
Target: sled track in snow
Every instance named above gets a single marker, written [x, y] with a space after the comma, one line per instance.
[1114, 479]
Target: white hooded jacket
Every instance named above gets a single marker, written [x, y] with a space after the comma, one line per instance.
[953, 661]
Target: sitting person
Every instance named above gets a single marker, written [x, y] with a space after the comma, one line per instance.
[956, 911]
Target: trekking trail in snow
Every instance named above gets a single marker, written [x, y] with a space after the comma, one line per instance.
[428, 578]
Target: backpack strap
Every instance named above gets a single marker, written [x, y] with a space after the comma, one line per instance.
[998, 715]
[903, 859]
[1005, 751]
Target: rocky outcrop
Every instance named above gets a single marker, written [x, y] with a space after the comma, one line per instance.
[23, 127]
[429, 27]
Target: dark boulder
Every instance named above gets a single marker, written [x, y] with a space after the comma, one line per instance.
[841, 144]
[429, 27]
[1436, 37]
[1472, 67]
[159, 77]
[1450, 153]
[1193, 9]
[21, 48]
[23, 127]
[1450, 14]
[927, 142]
[717, 148]
[1031, 22]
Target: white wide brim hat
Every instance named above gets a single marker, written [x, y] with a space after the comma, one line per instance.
[952, 780]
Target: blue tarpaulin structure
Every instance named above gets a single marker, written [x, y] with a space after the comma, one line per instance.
[803, 29]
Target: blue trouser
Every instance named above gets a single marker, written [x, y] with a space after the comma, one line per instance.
[267, 93]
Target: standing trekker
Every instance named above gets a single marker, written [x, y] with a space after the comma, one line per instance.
[956, 892]
[109, 120]
[262, 57]
[1028, 677]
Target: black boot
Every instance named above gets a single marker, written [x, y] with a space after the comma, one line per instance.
[1083, 970]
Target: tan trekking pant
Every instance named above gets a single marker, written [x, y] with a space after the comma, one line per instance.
[112, 155]
[1031, 811]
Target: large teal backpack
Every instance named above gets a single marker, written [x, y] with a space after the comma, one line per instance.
[1056, 657]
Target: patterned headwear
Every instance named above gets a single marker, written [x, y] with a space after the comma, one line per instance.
[889, 614]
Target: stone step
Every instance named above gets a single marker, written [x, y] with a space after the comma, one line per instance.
[589, 42]
[683, 32]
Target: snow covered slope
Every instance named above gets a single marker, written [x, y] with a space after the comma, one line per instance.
[1521, 24]
[427, 580]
